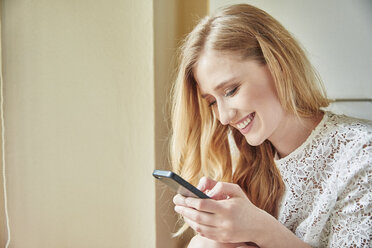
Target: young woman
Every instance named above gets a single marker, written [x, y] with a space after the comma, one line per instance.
[248, 122]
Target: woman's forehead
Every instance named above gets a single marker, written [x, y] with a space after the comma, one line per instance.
[215, 68]
[208, 62]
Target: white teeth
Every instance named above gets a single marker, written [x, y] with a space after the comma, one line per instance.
[244, 123]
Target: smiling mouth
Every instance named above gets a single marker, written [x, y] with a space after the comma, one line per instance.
[246, 122]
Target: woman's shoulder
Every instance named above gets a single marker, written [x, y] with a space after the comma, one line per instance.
[335, 140]
[348, 131]
[352, 139]
[348, 123]
[343, 143]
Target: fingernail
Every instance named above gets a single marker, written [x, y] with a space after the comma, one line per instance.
[200, 187]
[208, 193]
[177, 209]
[178, 199]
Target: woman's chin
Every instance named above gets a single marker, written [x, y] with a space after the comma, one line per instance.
[254, 141]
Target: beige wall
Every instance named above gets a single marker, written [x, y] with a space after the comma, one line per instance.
[3, 232]
[86, 84]
[165, 26]
[79, 92]
[172, 21]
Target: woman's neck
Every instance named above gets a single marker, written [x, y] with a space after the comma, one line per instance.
[293, 132]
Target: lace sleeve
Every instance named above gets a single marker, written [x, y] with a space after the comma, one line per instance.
[351, 220]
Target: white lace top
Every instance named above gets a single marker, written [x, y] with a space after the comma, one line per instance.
[328, 180]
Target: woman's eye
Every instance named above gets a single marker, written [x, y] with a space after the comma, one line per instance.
[212, 103]
[231, 92]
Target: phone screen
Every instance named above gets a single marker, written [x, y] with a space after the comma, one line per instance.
[178, 184]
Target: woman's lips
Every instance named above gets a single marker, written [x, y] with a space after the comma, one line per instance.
[245, 124]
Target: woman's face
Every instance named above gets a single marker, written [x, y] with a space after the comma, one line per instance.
[242, 94]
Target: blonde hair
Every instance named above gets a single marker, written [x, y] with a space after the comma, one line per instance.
[199, 143]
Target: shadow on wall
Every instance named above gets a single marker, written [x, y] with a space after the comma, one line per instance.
[359, 109]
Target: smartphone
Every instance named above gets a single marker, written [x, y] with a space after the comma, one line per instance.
[178, 184]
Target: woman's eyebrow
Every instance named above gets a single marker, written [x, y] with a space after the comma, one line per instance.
[219, 86]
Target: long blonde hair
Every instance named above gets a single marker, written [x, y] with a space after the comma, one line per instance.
[199, 143]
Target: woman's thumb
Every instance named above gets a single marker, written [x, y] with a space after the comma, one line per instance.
[206, 183]
[223, 191]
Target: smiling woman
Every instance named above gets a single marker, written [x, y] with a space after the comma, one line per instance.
[293, 184]
[253, 88]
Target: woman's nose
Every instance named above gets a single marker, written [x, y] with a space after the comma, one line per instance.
[225, 113]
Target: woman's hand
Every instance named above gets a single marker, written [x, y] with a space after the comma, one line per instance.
[229, 217]
[201, 242]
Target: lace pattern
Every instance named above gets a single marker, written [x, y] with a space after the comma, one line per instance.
[328, 180]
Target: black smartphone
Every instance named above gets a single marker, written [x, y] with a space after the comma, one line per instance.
[178, 184]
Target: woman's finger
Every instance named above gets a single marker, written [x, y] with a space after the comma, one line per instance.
[203, 230]
[199, 217]
[223, 191]
[179, 200]
[206, 183]
[210, 232]
[205, 205]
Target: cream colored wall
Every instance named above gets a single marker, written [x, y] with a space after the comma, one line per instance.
[165, 25]
[79, 92]
[86, 123]
[3, 232]
[172, 21]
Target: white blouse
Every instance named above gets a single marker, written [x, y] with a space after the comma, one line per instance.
[328, 180]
